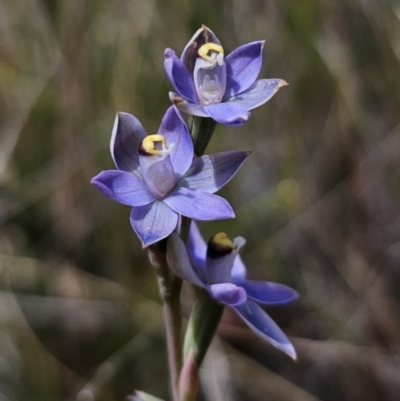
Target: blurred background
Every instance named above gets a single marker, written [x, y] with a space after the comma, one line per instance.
[318, 200]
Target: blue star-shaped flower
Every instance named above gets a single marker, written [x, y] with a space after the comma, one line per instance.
[211, 85]
[158, 176]
[218, 268]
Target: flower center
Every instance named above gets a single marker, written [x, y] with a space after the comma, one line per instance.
[212, 52]
[210, 73]
[221, 253]
[153, 145]
[211, 90]
[219, 245]
[155, 165]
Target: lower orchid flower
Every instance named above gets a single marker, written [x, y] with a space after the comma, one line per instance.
[218, 268]
[158, 176]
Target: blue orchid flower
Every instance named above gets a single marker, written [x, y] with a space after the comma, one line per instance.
[218, 268]
[211, 85]
[158, 176]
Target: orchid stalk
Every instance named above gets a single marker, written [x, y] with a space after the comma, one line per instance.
[169, 183]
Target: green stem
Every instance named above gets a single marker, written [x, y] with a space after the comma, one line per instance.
[201, 129]
[170, 289]
[206, 313]
[173, 323]
[170, 285]
[203, 323]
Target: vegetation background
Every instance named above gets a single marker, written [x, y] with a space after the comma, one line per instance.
[318, 200]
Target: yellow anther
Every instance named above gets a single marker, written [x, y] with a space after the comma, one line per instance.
[153, 144]
[221, 239]
[210, 51]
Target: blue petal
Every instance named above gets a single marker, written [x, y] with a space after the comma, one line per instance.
[199, 205]
[218, 269]
[211, 172]
[238, 269]
[219, 262]
[153, 222]
[228, 293]
[227, 113]
[265, 327]
[125, 188]
[158, 174]
[197, 246]
[179, 76]
[178, 260]
[268, 293]
[126, 137]
[177, 136]
[243, 66]
[202, 36]
[259, 93]
[194, 109]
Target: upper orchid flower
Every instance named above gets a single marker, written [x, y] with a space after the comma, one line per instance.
[158, 176]
[208, 84]
[218, 268]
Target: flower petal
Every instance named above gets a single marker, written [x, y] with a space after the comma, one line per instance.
[158, 174]
[178, 138]
[266, 292]
[239, 269]
[202, 36]
[126, 137]
[185, 106]
[179, 76]
[227, 113]
[218, 267]
[228, 293]
[125, 188]
[197, 246]
[211, 172]
[259, 93]
[199, 205]
[243, 66]
[265, 327]
[153, 222]
[179, 261]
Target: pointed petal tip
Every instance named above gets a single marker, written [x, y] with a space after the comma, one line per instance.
[286, 348]
[168, 53]
[96, 181]
[153, 222]
[151, 241]
[146, 245]
[289, 350]
[282, 83]
[175, 99]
